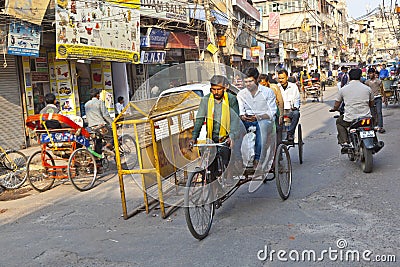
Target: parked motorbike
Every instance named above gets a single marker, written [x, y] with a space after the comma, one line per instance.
[363, 143]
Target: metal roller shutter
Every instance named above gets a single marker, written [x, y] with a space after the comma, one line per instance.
[12, 130]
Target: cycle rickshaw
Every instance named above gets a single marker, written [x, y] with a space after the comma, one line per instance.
[65, 153]
[392, 92]
[206, 190]
[290, 144]
[312, 89]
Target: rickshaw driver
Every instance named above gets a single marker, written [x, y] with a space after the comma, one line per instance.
[51, 108]
[220, 110]
[99, 119]
[291, 100]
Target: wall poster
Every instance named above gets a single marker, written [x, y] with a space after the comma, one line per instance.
[23, 39]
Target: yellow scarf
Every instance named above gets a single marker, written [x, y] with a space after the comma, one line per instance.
[225, 123]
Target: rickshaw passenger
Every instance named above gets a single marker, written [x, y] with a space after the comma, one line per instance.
[220, 111]
[305, 79]
[99, 119]
[291, 99]
[257, 107]
[279, 103]
[51, 108]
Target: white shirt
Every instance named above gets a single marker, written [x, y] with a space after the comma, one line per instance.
[291, 96]
[356, 96]
[263, 102]
[119, 107]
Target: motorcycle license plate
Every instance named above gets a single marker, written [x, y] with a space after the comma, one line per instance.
[366, 134]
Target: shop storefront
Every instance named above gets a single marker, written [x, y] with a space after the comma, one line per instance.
[161, 50]
[12, 134]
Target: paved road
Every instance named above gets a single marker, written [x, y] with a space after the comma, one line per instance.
[331, 199]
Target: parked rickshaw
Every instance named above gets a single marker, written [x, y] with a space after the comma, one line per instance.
[65, 153]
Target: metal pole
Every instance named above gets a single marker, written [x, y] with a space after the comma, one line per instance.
[318, 58]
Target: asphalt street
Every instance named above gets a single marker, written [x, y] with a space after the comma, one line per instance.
[333, 208]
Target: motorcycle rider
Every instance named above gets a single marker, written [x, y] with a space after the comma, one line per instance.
[358, 99]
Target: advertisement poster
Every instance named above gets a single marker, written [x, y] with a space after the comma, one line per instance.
[107, 81]
[66, 105]
[53, 88]
[64, 87]
[105, 30]
[62, 70]
[23, 39]
[29, 10]
[109, 100]
[97, 78]
[28, 86]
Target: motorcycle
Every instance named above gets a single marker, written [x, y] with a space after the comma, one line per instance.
[330, 81]
[363, 143]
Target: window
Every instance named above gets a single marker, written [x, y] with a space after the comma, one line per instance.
[275, 7]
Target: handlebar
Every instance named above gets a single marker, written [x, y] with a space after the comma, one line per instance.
[225, 143]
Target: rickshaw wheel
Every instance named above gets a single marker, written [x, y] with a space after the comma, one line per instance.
[199, 205]
[82, 169]
[300, 143]
[283, 171]
[40, 172]
[13, 174]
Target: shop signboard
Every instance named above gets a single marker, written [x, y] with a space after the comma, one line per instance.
[23, 39]
[107, 30]
[153, 57]
[155, 38]
[166, 10]
[37, 76]
[246, 53]
[255, 51]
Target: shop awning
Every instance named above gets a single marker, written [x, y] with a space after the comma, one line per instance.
[181, 40]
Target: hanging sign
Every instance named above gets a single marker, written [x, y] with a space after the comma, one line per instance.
[28, 10]
[273, 25]
[23, 39]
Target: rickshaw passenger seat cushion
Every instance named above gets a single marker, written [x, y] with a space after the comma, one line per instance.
[63, 137]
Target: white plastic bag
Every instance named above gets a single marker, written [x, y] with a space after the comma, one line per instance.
[248, 146]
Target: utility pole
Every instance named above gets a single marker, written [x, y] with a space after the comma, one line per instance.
[318, 58]
[210, 29]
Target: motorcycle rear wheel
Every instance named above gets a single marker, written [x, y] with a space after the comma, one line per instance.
[366, 160]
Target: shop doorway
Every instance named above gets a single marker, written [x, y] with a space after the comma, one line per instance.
[84, 85]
